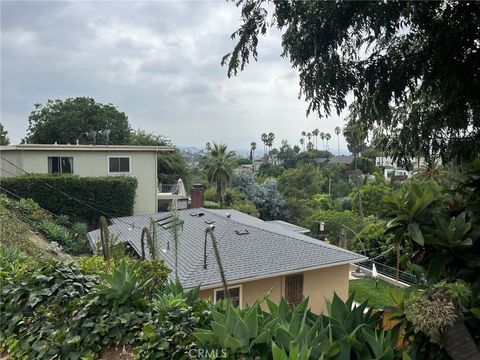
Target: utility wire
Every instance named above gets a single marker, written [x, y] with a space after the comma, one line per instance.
[65, 194]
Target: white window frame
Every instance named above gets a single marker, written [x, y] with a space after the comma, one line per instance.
[240, 294]
[119, 172]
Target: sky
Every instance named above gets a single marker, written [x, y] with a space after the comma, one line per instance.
[157, 61]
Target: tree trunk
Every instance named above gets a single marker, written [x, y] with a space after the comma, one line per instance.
[459, 343]
[219, 193]
[360, 205]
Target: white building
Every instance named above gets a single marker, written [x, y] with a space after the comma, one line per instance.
[90, 160]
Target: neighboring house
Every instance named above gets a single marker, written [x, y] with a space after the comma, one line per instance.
[347, 160]
[90, 160]
[393, 168]
[258, 257]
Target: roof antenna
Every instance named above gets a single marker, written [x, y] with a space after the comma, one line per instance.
[106, 133]
[92, 136]
[78, 142]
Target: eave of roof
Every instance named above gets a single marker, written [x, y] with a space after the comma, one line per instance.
[67, 147]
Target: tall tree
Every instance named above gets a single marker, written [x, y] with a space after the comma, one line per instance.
[327, 138]
[302, 142]
[322, 136]
[270, 138]
[264, 138]
[413, 70]
[356, 134]
[66, 121]
[4, 140]
[315, 133]
[337, 132]
[219, 168]
[253, 146]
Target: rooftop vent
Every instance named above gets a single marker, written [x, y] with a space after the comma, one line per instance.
[228, 215]
[209, 222]
[242, 232]
[197, 214]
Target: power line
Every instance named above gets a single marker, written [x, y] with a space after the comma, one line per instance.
[65, 194]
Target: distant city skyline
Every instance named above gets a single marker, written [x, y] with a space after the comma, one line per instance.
[159, 62]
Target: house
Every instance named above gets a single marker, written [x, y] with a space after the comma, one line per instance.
[258, 257]
[347, 160]
[394, 168]
[90, 160]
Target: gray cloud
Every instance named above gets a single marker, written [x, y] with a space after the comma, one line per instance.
[159, 62]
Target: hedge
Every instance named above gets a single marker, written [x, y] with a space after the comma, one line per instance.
[114, 196]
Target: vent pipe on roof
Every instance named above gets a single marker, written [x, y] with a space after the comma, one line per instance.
[228, 215]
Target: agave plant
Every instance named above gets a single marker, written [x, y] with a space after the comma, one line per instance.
[124, 284]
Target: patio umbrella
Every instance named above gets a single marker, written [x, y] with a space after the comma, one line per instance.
[181, 188]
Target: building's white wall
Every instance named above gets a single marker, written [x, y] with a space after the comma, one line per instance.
[94, 163]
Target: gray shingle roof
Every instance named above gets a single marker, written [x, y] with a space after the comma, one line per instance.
[288, 226]
[266, 250]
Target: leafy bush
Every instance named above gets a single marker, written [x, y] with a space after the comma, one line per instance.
[70, 242]
[211, 205]
[114, 195]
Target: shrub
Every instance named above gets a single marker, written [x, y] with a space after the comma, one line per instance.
[70, 242]
[211, 205]
[114, 195]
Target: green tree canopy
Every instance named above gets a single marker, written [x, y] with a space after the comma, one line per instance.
[219, 168]
[302, 182]
[66, 121]
[412, 66]
[4, 140]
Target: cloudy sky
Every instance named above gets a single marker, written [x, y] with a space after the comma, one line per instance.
[157, 61]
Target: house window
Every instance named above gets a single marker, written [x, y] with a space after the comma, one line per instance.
[57, 164]
[294, 289]
[119, 164]
[234, 292]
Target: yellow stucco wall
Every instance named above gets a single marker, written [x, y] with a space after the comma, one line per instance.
[318, 285]
[143, 166]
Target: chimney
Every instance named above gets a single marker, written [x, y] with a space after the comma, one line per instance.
[197, 196]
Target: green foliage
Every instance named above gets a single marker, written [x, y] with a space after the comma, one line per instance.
[246, 207]
[114, 195]
[333, 223]
[64, 121]
[71, 242]
[211, 205]
[379, 294]
[270, 170]
[364, 164]
[172, 166]
[372, 197]
[219, 168]
[4, 140]
[286, 333]
[405, 49]
[375, 241]
[302, 182]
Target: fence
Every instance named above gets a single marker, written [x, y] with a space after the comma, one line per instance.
[391, 272]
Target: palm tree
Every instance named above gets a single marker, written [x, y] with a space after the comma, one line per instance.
[302, 142]
[327, 137]
[270, 138]
[430, 170]
[315, 133]
[337, 132]
[355, 136]
[253, 146]
[310, 146]
[219, 168]
[322, 136]
[264, 140]
[303, 135]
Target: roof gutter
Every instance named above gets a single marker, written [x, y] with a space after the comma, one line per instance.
[285, 273]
